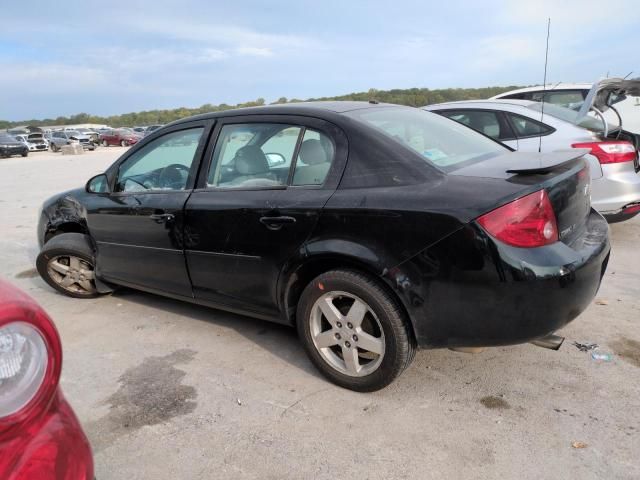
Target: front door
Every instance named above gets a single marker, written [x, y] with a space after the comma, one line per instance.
[259, 201]
[138, 228]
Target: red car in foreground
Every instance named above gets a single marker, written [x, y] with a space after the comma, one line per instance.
[40, 436]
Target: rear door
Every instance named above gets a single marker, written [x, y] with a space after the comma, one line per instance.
[266, 181]
[138, 227]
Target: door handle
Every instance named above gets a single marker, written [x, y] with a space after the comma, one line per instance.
[276, 223]
[162, 217]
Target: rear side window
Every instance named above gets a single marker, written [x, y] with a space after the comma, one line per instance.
[314, 159]
[526, 127]
[490, 123]
[563, 98]
[437, 140]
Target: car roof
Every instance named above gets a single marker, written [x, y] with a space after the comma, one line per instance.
[482, 103]
[319, 109]
[549, 87]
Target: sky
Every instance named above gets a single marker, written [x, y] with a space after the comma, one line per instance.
[104, 58]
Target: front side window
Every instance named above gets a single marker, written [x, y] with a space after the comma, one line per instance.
[163, 164]
[253, 155]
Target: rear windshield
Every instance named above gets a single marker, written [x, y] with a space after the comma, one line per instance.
[571, 116]
[440, 141]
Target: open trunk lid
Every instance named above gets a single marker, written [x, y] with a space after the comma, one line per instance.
[563, 174]
[607, 92]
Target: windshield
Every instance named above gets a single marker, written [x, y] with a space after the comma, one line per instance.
[7, 138]
[571, 116]
[440, 141]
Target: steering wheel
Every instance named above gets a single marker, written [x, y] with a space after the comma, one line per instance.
[172, 177]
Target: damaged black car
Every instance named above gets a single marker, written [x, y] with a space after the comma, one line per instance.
[374, 229]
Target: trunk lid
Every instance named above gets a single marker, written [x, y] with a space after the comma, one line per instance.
[563, 174]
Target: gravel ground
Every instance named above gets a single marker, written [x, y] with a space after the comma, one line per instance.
[172, 390]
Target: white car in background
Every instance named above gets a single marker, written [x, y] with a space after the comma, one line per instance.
[35, 142]
[573, 95]
[521, 125]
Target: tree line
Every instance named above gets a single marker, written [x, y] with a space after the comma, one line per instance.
[415, 97]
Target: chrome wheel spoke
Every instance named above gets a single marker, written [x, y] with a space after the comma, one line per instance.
[370, 343]
[326, 339]
[351, 361]
[88, 274]
[74, 263]
[59, 267]
[86, 285]
[331, 313]
[67, 281]
[357, 312]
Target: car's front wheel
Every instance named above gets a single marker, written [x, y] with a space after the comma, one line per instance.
[123, 143]
[54, 147]
[67, 263]
[354, 331]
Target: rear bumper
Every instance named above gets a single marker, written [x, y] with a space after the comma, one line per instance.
[471, 291]
[53, 447]
[618, 187]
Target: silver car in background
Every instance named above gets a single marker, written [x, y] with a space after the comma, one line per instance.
[521, 125]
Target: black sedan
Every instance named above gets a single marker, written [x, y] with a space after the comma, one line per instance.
[375, 229]
[10, 146]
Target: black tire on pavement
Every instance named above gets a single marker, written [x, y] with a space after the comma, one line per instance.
[67, 245]
[399, 342]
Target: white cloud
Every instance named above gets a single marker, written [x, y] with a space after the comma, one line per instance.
[255, 51]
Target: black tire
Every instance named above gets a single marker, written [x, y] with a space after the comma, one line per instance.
[55, 148]
[105, 143]
[75, 244]
[24, 154]
[399, 342]
[123, 143]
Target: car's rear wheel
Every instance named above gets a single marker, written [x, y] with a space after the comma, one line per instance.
[123, 143]
[105, 143]
[54, 147]
[67, 263]
[24, 154]
[354, 331]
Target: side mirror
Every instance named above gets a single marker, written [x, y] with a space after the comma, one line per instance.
[98, 184]
[275, 159]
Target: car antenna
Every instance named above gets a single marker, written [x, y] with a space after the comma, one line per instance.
[628, 75]
[544, 83]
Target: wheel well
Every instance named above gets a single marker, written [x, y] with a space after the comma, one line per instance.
[67, 227]
[311, 269]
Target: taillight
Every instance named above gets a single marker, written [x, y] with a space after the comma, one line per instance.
[526, 222]
[30, 360]
[23, 362]
[610, 151]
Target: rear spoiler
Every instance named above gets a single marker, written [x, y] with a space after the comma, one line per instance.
[533, 163]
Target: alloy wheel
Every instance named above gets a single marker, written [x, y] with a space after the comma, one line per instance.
[73, 274]
[347, 334]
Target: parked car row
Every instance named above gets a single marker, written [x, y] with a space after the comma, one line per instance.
[523, 123]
